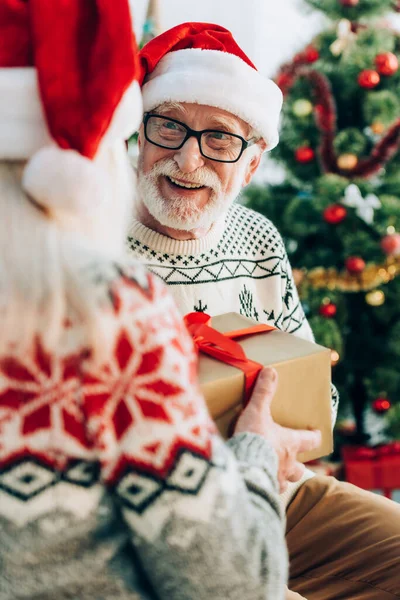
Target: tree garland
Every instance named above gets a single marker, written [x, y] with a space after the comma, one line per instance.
[330, 278]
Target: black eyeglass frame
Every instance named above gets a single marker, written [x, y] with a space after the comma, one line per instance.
[196, 134]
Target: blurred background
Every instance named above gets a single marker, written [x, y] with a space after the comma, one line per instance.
[269, 31]
[332, 187]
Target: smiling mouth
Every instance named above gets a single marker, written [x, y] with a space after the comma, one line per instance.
[183, 185]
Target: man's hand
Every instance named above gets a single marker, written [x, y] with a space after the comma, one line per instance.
[256, 418]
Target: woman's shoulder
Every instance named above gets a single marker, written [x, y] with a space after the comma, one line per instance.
[131, 281]
[130, 296]
[111, 280]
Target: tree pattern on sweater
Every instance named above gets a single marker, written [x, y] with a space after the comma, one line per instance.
[247, 304]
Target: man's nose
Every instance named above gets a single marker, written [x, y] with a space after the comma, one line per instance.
[189, 158]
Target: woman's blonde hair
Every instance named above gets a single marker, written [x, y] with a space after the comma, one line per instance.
[51, 264]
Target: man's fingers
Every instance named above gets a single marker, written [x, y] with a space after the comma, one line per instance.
[283, 485]
[297, 472]
[307, 440]
[265, 387]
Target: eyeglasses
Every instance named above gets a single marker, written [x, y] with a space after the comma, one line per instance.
[221, 146]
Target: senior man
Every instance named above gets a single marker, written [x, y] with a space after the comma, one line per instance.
[209, 117]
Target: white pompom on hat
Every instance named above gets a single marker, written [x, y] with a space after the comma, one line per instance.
[201, 63]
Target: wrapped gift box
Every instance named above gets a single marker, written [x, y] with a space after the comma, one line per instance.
[373, 468]
[303, 397]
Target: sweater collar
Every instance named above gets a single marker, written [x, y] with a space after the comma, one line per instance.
[166, 245]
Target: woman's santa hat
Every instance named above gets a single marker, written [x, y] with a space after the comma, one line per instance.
[202, 63]
[68, 86]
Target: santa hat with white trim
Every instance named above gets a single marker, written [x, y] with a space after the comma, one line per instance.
[201, 63]
[68, 85]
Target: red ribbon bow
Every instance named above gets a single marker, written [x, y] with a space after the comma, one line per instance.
[223, 347]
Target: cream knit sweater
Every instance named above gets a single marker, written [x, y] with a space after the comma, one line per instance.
[240, 266]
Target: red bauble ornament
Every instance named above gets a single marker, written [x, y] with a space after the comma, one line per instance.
[390, 244]
[355, 265]
[311, 54]
[349, 2]
[328, 310]
[381, 405]
[304, 154]
[334, 214]
[369, 79]
[284, 81]
[387, 63]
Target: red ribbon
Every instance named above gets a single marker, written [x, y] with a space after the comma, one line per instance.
[223, 347]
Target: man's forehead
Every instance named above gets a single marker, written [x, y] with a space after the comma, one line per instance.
[214, 117]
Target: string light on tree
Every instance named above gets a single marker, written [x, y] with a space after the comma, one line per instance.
[355, 265]
[298, 276]
[335, 357]
[347, 161]
[302, 107]
[375, 298]
[369, 79]
[304, 154]
[334, 214]
[381, 405]
[387, 63]
[377, 128]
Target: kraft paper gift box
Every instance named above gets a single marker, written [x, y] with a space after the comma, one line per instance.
[303, 397]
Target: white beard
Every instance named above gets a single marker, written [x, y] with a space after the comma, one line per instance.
[181, 213]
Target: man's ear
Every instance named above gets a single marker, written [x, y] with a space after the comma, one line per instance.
[254, 163]
[140, 136]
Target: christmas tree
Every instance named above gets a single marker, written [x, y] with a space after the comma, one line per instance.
[338, 207]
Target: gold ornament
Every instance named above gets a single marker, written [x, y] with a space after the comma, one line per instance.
[302, 108]
[347, 161]
[378, 128]
[375, 298]
[390, 230]
[335, 357]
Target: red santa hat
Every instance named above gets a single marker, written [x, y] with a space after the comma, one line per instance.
[68, 85]
[202, 63]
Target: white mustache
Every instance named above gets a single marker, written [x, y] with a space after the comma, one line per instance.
[202, 176]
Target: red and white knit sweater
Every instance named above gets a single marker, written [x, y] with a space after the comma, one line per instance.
[113, 482]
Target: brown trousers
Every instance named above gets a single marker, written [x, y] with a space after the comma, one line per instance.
[344, 543]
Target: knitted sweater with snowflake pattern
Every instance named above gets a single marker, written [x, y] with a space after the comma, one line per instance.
[113, 482]
[240, 266]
